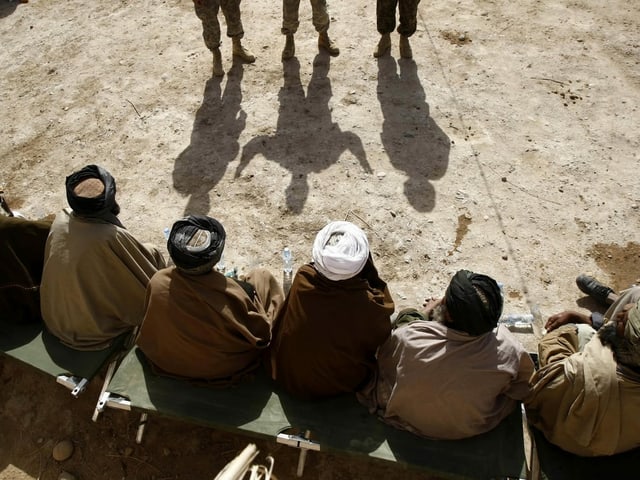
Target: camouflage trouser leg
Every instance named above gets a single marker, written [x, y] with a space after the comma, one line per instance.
[290, 18]
[386, 16]
[207, 12]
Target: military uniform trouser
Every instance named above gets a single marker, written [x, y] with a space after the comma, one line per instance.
[207, 12]
[386, 16]
[290, 21]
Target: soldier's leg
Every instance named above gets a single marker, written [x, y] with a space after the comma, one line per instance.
[231, 12]
[385, 23]
[321, 23]
[207, 12]
[290, 24]
[408, 25]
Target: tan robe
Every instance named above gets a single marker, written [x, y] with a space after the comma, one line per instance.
[94, 281]
[206, 327]
[441, 383]
[584, 402]
[327, 333]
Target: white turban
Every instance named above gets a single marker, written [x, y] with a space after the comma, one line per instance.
[340, 250]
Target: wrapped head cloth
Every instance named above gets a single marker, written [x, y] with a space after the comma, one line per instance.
[196, 244]
[340, 251]
[474, 302]
[91, 193]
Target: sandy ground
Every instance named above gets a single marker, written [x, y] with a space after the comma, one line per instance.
[508, 147]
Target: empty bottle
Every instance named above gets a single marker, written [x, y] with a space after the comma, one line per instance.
[518, 322]
[287, 268]
[220, 266]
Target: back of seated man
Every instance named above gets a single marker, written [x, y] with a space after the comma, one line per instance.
[95, 272]
[447, 372]
[335, 316]
[586, 394]
[200, 324]
[21, 258]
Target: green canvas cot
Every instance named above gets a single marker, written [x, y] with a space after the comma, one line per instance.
[32, 344]
[257, 407]
[557, 464]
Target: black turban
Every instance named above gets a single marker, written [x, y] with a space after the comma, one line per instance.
[199, 258]
[104, 206]
[474, 302]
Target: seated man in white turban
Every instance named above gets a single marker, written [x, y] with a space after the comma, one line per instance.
[450, 371]
[334, 318]
[586, 394]
[95, 272]
[200, 324]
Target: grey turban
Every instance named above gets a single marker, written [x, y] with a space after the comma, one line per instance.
[340, 250]
[196, 244]
[104, 206]
[474, 302]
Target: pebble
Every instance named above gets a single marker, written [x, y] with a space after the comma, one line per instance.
[62, 450]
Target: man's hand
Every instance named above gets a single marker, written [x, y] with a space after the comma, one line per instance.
[429, 304]
[562, 318]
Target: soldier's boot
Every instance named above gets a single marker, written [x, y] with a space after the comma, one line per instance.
[289, 49]
[242, 52]
[384, 45]
[327, 44]
[217, 63]
[405, 48]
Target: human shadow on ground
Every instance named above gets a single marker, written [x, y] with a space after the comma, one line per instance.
[7, 7]
[214, 141]
[413, 141]
[306, 138]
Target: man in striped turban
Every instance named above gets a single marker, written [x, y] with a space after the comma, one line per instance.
[200, 324]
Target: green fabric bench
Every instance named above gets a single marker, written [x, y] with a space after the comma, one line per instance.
[259, 408]
[557, 464]
[32, 344]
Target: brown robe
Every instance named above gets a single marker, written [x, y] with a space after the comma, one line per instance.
[327, 333]
[206, 327]
[21, 259]
[94, 281]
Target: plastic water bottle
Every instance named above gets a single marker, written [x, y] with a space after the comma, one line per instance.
[220, 266]
[166, 232]
[518, 322]
[287, 269]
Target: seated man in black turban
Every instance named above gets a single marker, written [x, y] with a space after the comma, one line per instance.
[95, 272]
[450, 371]
[200, 324]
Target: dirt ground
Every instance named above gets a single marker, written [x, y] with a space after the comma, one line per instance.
[509, 146]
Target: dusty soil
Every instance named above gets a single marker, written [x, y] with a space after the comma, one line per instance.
[509, 147]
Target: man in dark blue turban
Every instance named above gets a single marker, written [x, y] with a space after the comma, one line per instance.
[449, 371]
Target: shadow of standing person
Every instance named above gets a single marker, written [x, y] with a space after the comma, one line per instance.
[7, 7]
[414, 143]
[306, 138]
[214, 141]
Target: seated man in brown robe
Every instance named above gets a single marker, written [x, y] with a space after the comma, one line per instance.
[586, 394]
[450, 371]
[334, 318]
[95, 272]
[21, 259]
[200, 324]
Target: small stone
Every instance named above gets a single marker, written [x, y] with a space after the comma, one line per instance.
[505, 257]
[62, 450]
[66, 476]
[381, 175]
[504, 179]
[634, 206]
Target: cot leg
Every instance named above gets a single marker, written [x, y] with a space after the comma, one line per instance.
[141, 425]
[302, 458]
